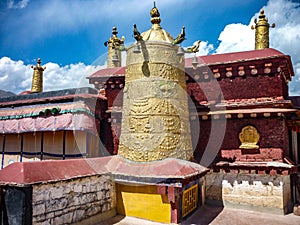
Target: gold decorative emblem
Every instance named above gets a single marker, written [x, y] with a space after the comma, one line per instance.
[37, 79]
[249, 138]
[262, 31]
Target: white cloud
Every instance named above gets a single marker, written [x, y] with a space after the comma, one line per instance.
[15, 76]
[285, 37]
[295, 84]
[236, 37]
[60, 15]
[11, 4]
[204, 49]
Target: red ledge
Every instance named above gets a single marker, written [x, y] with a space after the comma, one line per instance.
[272, 168]
[232, 57]
[53, 99]
[54, 170]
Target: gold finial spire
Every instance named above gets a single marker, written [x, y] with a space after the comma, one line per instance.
[262, 31]
[114, 46]
[37, 79]
[156, 33]
[154, 13]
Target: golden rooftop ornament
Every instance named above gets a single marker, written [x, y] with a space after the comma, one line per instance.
[194, 48]
[180, 38]
[154, 13]
[155, 116]
[115, 46]
[37, 79]
[156, 33]
[262, 31]
[136, 34]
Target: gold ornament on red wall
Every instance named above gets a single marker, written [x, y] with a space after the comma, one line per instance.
[249, 138]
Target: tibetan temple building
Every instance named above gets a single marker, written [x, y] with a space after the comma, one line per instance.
[154, 139]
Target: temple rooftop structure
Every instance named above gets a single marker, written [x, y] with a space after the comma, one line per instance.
[174, 133]
[45, 125]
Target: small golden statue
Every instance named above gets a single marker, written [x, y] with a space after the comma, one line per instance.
[37, 79]
[194, 48]
[249, 138]
[262, 31]
[136, 34]
[115, 46]
[181, 37]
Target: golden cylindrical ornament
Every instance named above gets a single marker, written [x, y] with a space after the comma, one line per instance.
[155, 117]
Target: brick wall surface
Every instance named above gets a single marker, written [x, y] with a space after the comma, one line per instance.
[273, 141]
[73, 200]
[239, 88]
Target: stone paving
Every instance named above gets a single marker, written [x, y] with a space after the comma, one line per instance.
[217, 216]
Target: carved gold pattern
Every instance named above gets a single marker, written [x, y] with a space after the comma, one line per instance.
[37, 79]
[249, 138]
[165, 71]
[155, 118]
[262, 31]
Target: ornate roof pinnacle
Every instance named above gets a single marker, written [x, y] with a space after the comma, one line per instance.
[38, 65]
[39, 61]
[263, 21]
[154, 13]
[37, 79]
[114, 31]
[115, 45]
[114, 40]
[262, 14]
[262, 31]
[156, 33]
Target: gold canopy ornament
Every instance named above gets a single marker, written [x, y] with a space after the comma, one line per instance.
[262, 31]
[37, 79]
[249, 138]
[114, 49]
[156, 33]
[155, 115]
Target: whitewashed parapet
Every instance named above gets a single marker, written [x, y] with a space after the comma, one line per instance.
[256, 192]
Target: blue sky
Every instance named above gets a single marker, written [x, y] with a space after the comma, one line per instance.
[69, 35]
[74, 31]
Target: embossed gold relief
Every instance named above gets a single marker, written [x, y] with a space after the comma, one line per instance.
[155, 117]
[249, 138]
[162, 70]
[154, 125]
[262, 31]
[37, 79]
[155, 52]
[155, 121]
